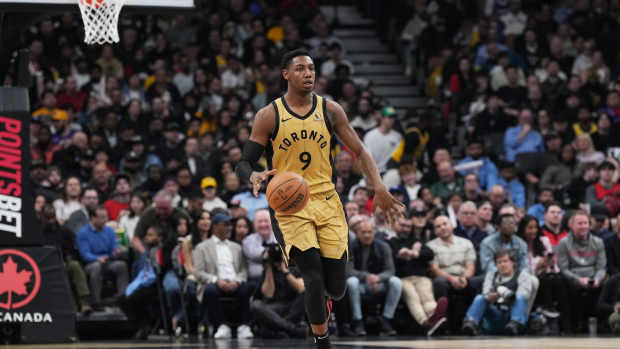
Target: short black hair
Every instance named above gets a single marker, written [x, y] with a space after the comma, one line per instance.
[93, 213]
[288, 57]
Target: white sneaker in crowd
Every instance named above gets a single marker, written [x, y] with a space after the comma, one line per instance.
[223, 332]
[244, 332]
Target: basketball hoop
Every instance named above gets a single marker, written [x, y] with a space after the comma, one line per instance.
[100, 20]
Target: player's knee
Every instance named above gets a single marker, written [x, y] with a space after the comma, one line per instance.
[336, 290]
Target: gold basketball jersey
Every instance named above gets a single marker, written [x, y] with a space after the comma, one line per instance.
[302, 144]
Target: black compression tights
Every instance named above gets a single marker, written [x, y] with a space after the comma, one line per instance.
[323, 277]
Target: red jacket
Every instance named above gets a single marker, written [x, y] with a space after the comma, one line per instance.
[554, 239]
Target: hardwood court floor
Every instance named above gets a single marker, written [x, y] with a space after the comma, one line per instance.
[370, 343]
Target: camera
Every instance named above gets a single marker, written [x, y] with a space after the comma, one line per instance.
[274, 253]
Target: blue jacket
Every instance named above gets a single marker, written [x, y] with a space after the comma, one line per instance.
[493, 243]
[515, 191]
[487, 172]
[533, 142]
[94, 244]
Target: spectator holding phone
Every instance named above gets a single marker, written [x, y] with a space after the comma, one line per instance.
[543, 264]
[582, 261]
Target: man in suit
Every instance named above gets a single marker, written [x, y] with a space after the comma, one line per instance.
[220, 268]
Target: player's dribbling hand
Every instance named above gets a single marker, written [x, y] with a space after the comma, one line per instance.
[257, 178]
[391, 207]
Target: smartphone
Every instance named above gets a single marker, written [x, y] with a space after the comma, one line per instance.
[591, 282]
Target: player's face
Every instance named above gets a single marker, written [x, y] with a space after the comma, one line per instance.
[300, 73]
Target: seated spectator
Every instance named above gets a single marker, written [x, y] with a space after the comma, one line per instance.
[484, 217]
[506, 239]
[467, 227]
[552, 294]
[242, 227]
[454, 263]
[471, 189]
[522, 138]
[609, 304]
[552, 227]
[497, 198]
[140, 301]
[576, 191]
[585, 150]
[99, 250]
[600, 222]
[209, 188]
[581, 258]
[545, 197]
[449, 181]
[282, 306]
[371, 271]
[503, 301]
[343, 170]
[220, 269]
[69, 202]
[254, 247]
[515, 191]
[128, 219]
[605, 191]
[612, 251]
[121, 197]
[89, 199]
[64, 240]
[487, 171]
[162, 214]
[411, 260]
[250, 202]
[422, 230]
[383, 140]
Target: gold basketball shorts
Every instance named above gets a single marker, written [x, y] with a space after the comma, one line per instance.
[321, 224]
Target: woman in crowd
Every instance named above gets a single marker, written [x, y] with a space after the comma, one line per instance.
[242, 227]
[543, 264]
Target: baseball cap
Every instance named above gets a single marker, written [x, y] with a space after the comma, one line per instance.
[132, 156]
[388, 111]
[599, 212]
[208, 182]
[219, 218]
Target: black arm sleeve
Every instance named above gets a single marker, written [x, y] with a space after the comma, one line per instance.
[252, 151]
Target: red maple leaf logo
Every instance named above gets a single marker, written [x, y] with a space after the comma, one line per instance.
[12, 281]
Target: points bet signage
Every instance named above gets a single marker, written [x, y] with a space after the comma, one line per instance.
[18, 225]
[35, 297]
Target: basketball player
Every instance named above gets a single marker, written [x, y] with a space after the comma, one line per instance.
[296, 130]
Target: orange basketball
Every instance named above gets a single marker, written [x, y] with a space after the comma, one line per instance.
[287, 193]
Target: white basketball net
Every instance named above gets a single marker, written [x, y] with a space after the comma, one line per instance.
[100, 20]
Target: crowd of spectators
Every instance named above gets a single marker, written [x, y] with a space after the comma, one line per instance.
[510, 180]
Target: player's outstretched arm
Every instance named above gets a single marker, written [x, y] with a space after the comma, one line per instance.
[264, 123]
[383, 199]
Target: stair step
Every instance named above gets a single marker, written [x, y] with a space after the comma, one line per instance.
[383, 58]
[407, 102]
[393, 69]
[386, 80]
[355, 33]
[347, 15]
[395, 91]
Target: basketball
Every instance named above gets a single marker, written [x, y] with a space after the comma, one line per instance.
[287, 193]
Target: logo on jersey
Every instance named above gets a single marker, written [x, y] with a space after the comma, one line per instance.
[317, 117]
[285, 120]
[294, 137]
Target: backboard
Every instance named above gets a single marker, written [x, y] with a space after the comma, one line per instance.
[40, 5]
